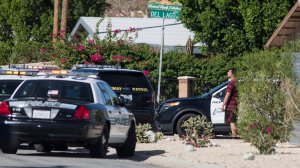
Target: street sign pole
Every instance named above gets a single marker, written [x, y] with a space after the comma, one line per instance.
[165, 12]
[160, 59]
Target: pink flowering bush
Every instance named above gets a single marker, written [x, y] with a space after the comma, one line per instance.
[117, 47]
[95, 58]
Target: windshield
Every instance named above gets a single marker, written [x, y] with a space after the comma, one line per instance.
[213, 90]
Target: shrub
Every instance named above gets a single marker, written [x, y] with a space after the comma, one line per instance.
[4, 53]
[31, 51]
[159, 135]
[25, 52]
[141, 130]
[198, 131]
[266, 113]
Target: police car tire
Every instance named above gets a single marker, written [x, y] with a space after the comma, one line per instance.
[128, 148]
[43, 148]
[9, 148]
[8, 143]
[180, 131]
[100, 148]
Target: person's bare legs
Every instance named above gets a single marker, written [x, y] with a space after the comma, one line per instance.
[233, 129]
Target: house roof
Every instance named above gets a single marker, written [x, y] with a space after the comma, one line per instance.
[150, 32]
[288, 30]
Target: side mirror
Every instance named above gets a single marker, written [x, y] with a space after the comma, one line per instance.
[121, 101]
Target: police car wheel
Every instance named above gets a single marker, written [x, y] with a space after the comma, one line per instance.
[128, 147]
[179, 130]
[100, 148]
[9, 148]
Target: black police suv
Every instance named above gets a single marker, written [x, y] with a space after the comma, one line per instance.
[133, 86]
[55, 112]
[173, 112]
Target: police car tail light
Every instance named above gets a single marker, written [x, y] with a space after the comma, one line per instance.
[82, 113]
[4, 110]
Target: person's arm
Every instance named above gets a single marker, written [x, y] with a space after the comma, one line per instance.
[227, 95]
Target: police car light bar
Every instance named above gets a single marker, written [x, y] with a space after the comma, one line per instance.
[45, 67]
[53, 72]
[26, 72]
[78, 66]
[84, 74]
[59, 72]
[68, 73]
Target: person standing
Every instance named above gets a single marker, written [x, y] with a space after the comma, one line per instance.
[230, 102]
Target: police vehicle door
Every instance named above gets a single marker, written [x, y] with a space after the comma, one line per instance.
[123, 120]
[217, 115]
[113, 112]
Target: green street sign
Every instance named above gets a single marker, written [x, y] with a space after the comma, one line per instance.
[164, 14]
[154, 6]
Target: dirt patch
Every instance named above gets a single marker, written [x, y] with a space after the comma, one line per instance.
[171, 152]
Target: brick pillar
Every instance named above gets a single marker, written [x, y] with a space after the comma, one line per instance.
[186, 86]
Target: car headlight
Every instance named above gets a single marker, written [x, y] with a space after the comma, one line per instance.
[171, 104]
[168, 105]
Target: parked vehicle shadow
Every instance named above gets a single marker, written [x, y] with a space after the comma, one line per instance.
[139, 156]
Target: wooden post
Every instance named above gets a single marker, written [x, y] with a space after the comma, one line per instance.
[64, 16]
[55, 20]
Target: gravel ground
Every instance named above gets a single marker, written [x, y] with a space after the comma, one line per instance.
[171, 151]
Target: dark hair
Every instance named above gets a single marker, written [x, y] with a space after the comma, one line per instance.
[233, 70]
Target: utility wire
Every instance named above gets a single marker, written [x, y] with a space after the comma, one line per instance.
[150, 27]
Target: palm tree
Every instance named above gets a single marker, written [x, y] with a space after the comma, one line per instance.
[55, 20]
[64, 16]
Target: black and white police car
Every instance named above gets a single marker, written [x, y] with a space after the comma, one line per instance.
[11, 78]
[173, 112]
[57, 111]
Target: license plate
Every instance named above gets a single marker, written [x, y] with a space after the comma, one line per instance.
[127, 96]
[43, 114]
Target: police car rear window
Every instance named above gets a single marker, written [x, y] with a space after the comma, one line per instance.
[55, 89]
[7, 87]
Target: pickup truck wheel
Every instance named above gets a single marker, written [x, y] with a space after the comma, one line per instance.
[180, 131]
[43, 148]
[100, 148]
[128, 148]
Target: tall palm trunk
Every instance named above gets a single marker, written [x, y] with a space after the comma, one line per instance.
[55, 20]
[64, 16]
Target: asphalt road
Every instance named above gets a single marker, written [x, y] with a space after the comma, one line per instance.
[74, 157]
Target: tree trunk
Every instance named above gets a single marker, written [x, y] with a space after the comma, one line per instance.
[55, 20]
[64, 15]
